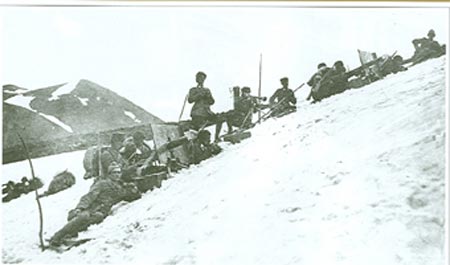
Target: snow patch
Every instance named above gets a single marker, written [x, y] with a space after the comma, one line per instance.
[57, 122]
[17, 91]
[84, 101]
[65, 89]
[21, 101]
[132, 116]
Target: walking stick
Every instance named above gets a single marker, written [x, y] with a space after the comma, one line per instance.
[259, 87]
[41, 222]
[182, 109]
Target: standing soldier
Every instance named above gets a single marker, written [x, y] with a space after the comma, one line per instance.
[283, 100]
[201, 113]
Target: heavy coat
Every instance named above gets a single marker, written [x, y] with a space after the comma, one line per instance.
[202, 99]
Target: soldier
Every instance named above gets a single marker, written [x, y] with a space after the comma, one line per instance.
[96, 205]
[112, 154]
[393, 65]
[427, 48]
[283, 100]
[201, 113]
[144, 150]
[201, 147]
[322, 69]
[333, 82]
[245, 106]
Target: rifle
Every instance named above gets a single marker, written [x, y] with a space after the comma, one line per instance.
[36, 193]
[265, 116]
[366, 65]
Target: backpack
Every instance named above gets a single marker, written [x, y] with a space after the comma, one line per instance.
[91, 161]
[60, 182]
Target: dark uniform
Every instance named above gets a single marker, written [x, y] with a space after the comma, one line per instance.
[427, 48]
[283, 100]
[144, 150]
[201, 113]
[392, 66]
[96, 205]
[242, 115]
[322, 69]
[333, 82]
[201, 148]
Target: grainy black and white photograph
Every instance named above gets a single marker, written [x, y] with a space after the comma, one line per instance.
[224, 133]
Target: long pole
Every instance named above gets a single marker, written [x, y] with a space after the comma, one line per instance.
[182, 109]
[41, 221]
[259, 86]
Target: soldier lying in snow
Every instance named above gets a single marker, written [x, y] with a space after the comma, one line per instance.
[96, 205]
[201, 147]
[333, 82]
[427, 48]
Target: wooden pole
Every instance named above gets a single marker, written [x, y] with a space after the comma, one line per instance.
[259, 86]
[41, 219]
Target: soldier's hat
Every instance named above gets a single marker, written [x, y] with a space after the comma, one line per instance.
[138, 135]
[203, 134]
[201, 73]
[340, 63]
[321, 65]
[245, 89]
[431, 32]
[284, 79]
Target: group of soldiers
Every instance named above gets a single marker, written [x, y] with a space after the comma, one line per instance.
[124, 171]
[330, 81]
[121, 170]
[282, 102]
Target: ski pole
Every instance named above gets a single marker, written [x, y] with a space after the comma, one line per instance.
[41, 222]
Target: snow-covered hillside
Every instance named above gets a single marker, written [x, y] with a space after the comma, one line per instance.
[356, 179]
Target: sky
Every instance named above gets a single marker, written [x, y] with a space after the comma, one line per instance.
[150, 54]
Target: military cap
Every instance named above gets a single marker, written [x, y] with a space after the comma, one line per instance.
[201, 73]
[284, 79]
[245, 89]
[431, 32]
[321, 65]
[204, 134]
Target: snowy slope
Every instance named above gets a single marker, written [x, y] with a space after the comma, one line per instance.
[356, 179]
